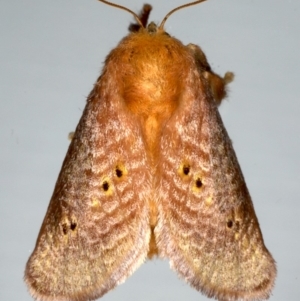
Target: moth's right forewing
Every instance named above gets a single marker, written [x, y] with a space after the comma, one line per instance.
[96, 230]
[207, 225]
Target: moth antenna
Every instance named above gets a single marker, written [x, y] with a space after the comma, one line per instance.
[124, 8]
[161, 26]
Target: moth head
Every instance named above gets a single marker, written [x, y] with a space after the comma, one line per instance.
[142, 18]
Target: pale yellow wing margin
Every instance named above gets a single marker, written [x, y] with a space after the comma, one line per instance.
[96, 230]
[207, 224]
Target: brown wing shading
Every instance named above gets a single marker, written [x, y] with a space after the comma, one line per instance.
[207, 224]
[96, 231]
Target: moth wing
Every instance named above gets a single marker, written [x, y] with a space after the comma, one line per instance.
[96, 230]
[207, 225]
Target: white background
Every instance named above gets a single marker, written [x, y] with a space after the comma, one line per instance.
[51, 53]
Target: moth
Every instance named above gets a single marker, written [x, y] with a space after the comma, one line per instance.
[151, 171]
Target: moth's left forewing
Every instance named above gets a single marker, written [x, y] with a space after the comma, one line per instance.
[207, 225]
[96, 231]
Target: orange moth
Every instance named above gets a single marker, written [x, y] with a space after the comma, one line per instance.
[151, 171]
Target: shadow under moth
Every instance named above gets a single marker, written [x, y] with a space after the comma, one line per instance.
[151, 171]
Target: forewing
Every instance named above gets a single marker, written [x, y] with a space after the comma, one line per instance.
[207, 224]
[96, 230]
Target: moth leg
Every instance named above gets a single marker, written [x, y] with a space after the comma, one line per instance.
[143, 16]
[217, 84]
[71, 136]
